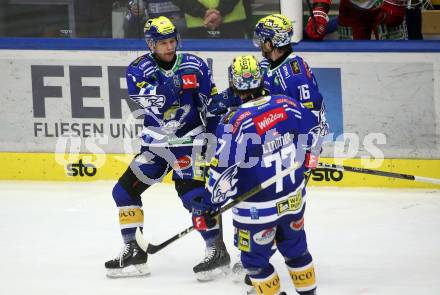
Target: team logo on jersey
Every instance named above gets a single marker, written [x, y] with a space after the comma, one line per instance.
[189, 81]
[269, 119]
[149, 101]
[225, 186]
[265, 237]
[182, 163]
[295, 67]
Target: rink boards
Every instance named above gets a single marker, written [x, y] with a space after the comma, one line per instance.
[93, 167]
[382, 101]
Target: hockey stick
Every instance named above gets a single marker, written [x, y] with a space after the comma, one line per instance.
[151, 248]
[379, 173]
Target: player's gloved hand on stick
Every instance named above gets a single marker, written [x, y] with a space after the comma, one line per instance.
[317, 26]
[391, 14]
[310, 164]
[202, 214]
[311, 160]
[220, 103]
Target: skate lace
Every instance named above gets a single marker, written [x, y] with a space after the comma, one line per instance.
[209, 253]
[123, 252]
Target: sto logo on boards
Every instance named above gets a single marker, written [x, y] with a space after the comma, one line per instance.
[80, 169]
[323, 174]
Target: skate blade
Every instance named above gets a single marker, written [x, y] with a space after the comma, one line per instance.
[206, 276]
[138, 270]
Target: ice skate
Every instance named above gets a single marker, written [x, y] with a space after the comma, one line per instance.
[132, 262]
[215, 263]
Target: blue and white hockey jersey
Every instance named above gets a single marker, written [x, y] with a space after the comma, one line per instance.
[171, 119]
[294, 78]
[255, 142]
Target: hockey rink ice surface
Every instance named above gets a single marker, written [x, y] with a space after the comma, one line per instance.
[56, 237]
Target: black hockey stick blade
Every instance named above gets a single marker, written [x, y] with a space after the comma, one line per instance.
[151, 248]
[380, 173]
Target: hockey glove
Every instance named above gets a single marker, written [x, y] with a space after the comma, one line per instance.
[310, 164]
[311, 161]
[180, 83]
[317, 26]
[189, 80]
[390, 14]
[202, 214]
[220, 103]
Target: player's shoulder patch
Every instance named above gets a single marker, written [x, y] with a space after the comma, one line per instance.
[295, 66]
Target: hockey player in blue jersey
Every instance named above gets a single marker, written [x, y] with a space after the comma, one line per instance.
[283, 71]
[264, 136]
[173, 89]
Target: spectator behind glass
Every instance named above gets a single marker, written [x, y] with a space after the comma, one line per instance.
[93, 18]
[215, 18]
[141, 10]
[359, 19]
